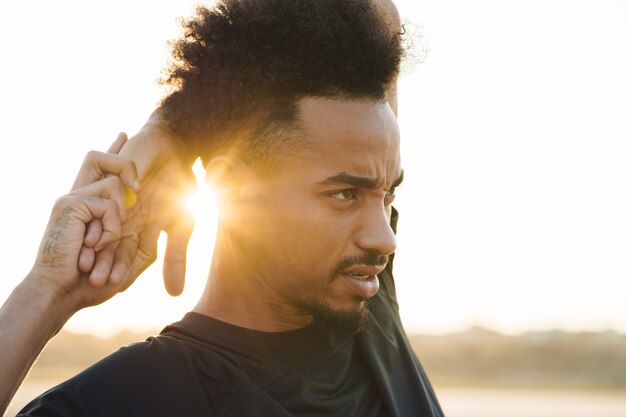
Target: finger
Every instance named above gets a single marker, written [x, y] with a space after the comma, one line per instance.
[87, 208]
[130, 196]
[93, 233]
[102, 266]
[111, 230]
[118, 144]
[94, 228]
[110, 188]
[97, 164]
[86, 258]
[123, 259]
[175, 260]
[107, 211]
[146, 252]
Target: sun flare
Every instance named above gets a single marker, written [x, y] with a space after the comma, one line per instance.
[201, 202]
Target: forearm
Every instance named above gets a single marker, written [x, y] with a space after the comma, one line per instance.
[74, 265]
[32, 315]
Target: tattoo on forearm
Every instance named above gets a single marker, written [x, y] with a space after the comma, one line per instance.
[50, 246]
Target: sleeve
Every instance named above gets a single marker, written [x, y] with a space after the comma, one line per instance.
[137, 380]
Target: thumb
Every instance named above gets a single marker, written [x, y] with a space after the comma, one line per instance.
[175, 260]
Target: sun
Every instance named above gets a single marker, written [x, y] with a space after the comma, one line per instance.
[201, 202]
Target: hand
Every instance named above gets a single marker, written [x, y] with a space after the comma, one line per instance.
[72, 269]
[94, 168]
[167, 179]
[87, 223]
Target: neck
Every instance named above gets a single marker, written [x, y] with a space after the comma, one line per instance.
[238, 292]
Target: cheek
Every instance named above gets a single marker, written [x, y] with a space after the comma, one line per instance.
[305, 232]
[308, 234]
[294, 219]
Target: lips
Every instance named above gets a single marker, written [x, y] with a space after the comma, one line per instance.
[364, 270]
[362, 279]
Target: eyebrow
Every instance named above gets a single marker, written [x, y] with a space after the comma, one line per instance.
[398, 180]
[356, 181]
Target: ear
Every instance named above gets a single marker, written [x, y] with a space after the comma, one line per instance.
[226, 174]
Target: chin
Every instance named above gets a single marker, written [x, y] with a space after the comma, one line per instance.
[339, 321]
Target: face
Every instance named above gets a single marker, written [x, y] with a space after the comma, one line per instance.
[316, 233]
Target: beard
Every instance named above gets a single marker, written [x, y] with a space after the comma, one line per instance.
[335, 321]
[343, 321]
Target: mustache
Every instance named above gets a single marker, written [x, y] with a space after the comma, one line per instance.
[367, 258]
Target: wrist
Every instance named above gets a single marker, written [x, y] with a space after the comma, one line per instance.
[47, 299]
[157, 125]
[34, 312]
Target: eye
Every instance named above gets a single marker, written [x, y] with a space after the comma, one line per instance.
[390, 196]
[344, 195]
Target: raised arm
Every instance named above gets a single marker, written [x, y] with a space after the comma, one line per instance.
[62, 278]
[167, 179]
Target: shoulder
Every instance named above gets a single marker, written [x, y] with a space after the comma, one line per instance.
[162, 376]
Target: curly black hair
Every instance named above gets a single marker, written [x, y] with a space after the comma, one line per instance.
[242, 65]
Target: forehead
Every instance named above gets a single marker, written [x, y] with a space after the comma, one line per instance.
[356, 137]
[369, 122]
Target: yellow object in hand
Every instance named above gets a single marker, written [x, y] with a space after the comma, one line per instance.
[130, 198]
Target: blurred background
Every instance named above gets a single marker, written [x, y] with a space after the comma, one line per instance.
[511, 262]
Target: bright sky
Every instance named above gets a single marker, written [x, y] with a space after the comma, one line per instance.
[513, 211]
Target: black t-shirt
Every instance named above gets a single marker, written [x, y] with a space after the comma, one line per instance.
[201, 366]
[306, 371]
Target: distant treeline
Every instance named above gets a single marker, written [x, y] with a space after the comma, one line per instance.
[476, 357]
[553, 359]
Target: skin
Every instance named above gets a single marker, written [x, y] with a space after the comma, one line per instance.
[169, 179]
[56, 287]
[166, 180]
[105, 244]
[280, 238]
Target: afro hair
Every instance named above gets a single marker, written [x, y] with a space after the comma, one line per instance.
[242, 65]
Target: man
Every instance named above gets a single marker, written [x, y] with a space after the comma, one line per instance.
[291, 106]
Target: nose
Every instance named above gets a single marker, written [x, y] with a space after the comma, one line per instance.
[375, 233]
